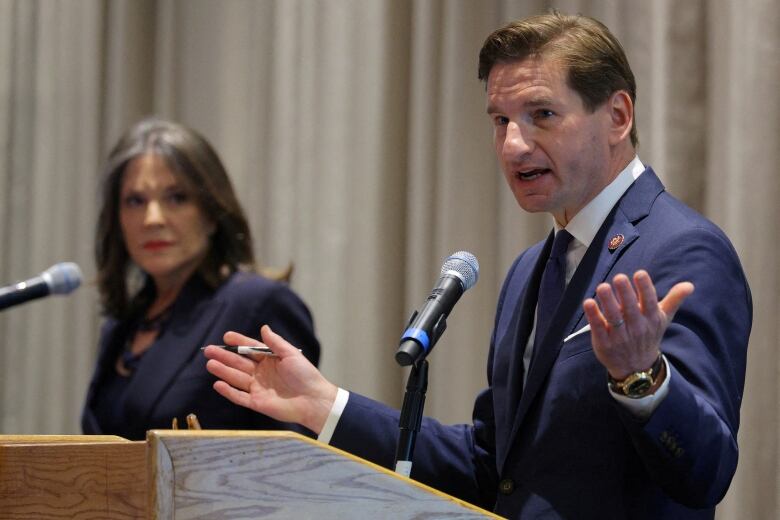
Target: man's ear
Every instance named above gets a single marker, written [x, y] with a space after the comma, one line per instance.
[621, 116]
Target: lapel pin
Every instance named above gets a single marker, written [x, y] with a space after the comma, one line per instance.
[615, 242]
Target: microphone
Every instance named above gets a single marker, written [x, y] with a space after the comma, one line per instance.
[60, 278]
[458, 274]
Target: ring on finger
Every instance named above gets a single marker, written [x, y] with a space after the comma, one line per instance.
[616, 324]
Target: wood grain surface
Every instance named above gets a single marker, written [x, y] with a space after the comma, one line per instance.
[211, 474]
[70, 477]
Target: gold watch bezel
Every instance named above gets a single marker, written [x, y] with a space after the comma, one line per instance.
[647, 378]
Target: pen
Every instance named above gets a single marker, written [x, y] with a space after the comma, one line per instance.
[244, 349]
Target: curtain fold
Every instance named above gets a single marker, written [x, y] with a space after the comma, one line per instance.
[355, 134]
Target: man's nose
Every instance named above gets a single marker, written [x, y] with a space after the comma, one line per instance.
[517, 142]
[154, 215]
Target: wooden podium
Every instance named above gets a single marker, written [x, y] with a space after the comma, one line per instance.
[203, 474]
[72, 476]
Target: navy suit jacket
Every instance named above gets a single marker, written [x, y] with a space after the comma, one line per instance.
[563, 447]
[172, 381]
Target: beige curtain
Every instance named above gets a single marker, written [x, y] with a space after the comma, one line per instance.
[354, 131]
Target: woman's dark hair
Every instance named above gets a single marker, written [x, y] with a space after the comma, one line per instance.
[596, 63]
[190, 156]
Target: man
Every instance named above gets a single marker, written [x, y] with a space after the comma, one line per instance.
[611, 403]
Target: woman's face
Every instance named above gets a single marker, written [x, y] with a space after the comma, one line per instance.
[164, 230]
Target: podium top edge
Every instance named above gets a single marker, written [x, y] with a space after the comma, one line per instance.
[60, 439]
[225, 433]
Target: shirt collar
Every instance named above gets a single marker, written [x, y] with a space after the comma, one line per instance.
[586, 223]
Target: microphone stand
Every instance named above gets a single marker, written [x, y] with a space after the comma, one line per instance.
[411, 417]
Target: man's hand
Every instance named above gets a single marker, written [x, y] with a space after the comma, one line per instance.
[627, 326]
[285, 386]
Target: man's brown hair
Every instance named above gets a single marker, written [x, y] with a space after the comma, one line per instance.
[595, 61]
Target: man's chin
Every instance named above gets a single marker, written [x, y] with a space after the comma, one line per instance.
[533, 203]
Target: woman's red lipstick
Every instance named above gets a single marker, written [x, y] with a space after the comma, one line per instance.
[154, 245]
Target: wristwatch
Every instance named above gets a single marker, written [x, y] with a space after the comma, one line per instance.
[638, 384]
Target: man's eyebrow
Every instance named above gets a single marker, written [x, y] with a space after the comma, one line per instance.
[531, 103]
[539, 102]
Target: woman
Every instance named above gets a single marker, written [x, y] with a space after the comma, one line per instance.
[175, 272]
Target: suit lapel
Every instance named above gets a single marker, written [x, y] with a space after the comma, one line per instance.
[109, 350]
[594, 268]
[521, 326]
[193, 315]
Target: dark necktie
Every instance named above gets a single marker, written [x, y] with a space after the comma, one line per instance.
[552, 285]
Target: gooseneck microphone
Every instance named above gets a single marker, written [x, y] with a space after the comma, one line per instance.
[458, 274]
[61, 278]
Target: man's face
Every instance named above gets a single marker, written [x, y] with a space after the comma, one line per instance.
[554, 153]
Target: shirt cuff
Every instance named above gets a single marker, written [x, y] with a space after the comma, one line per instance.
[644, 407]
[342, 396]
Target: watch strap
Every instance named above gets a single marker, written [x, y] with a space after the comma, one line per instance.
[637, 384]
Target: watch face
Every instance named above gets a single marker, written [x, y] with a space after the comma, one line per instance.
[639, 387]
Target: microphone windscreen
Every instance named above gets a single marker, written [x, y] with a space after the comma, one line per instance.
[62, 278]
[465, 265]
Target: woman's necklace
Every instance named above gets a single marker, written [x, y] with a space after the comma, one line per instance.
[129, 360]
[155, 322]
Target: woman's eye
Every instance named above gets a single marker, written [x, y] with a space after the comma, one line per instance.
[501, 120]
[133, 201]
[178, 197]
